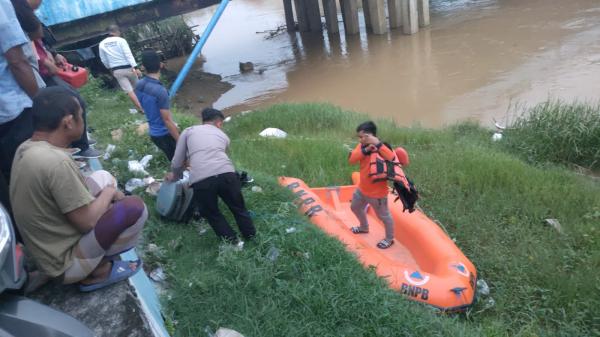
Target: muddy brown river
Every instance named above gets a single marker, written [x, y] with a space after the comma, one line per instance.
[479, 60]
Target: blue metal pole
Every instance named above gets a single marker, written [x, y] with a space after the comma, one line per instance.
[190, 61]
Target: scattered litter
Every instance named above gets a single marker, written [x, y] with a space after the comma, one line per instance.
[307, 255]
[482, 288]
[202, 230]
[245, 112]
[239, 246]
[273, 254]
[224, 332]
[158, 275]
[133, 111]
[117, 135]
[256, 189]
[153, 188]
[135, 166]
[291, 230]
[139, 166]
[142, 129]
[110, 148]
[134, 183]
[554, 224]
[227, 119]
[145, 160]
[153, 248]
[490, 303]
[273, 132]
[499, 129]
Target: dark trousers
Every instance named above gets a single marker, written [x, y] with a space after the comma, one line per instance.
[227, 186]
[167, 144]
[52, 81]
[13, 134]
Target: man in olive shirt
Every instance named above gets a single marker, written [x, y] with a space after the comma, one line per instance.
[72, 234]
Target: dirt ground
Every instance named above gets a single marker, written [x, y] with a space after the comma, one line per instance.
[199, 90]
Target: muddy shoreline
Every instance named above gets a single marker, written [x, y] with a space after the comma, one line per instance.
[201, 89]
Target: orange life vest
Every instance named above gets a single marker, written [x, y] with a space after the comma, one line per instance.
[391, 170]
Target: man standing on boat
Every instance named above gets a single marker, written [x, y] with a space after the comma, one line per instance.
[117, 57]
[369, 192]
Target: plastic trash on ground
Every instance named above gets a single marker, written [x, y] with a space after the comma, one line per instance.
[273, 132]
[145, 160]
[110, 148]
[290, 230]
[227, 119]
[158, 275]
[497, 136]
[554, 224]
[142, 129]
[256, 189]
[133, 184]
[482, 288]
[117, 134]
[133, 111]
[136, 167]
[273, 254]
[224, 332]
[153, 188]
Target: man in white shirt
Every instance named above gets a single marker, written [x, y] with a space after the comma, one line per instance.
[117, 57]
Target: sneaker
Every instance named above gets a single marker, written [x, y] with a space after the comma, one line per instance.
[88, 154]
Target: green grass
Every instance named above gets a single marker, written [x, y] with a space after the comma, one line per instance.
[490, 201]
[558, 132]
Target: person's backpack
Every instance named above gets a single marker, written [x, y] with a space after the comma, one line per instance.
[174, 201]
[391, 170]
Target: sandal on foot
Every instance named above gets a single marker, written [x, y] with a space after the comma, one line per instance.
[384, 244]
[119, 271]
[358, 230]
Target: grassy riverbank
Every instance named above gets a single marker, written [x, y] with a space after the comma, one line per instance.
[489, 200]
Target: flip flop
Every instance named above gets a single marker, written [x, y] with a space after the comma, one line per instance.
[358, 230]
[120, 271]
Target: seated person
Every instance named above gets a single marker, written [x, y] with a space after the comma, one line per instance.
[154, 98]
[73, 232]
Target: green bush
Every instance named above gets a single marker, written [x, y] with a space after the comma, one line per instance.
[558, 132]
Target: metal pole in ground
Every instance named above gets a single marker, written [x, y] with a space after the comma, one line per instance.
[196, 51]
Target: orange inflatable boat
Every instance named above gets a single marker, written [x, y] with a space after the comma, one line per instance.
[424, 264]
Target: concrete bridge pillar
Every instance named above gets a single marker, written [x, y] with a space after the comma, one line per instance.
[377, 16]
[366, 14]
[423, 8]
[314, 15]
[350, 14]
[395, 13]
[302, 15]
[331, 18]
[289, 15]
[410, 17]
